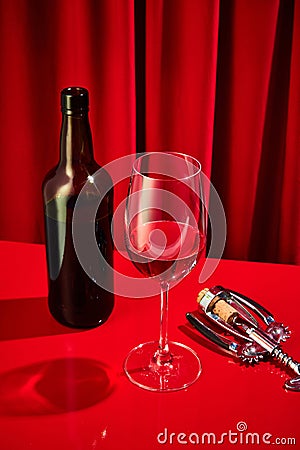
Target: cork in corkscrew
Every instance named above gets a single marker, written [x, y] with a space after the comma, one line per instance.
[216, 305]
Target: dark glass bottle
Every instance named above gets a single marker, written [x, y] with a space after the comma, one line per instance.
[74, 298]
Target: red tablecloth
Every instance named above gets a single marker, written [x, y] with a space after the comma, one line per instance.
[62, 389]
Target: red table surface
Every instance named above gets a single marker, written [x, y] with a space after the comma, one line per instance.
[65, 389]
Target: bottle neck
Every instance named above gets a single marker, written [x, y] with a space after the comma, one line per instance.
[76, 147]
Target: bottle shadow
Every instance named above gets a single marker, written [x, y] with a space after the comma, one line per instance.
[54, 387]
[28, 317]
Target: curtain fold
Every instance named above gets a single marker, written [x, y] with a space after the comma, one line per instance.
[267, 214]
[289, 231]
[44, 47]
[246, 46]
[181, 58]
[218, 79]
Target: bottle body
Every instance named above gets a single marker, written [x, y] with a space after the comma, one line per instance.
[74, 298]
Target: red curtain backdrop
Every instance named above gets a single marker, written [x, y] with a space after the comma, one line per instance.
[219, 79]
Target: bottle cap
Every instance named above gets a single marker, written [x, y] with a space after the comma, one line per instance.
[74, 100]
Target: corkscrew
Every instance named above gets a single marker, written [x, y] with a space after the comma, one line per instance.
[230, 311]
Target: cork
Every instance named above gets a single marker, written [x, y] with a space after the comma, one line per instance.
[224, 311]
[201, 294]
[219, 307]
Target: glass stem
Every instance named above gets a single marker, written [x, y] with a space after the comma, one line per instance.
[163, 354]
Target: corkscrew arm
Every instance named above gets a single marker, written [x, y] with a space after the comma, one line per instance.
[229, 310]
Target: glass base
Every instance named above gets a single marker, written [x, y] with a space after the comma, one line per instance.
[143, 369]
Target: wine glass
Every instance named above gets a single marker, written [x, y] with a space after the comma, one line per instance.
[165, 234]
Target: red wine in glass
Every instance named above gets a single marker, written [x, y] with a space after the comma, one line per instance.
[165, 234]
[165, 248]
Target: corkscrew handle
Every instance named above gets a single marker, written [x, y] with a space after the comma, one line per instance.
[222, 342]
[259, 310]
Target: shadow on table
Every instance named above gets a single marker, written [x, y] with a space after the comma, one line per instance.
[28, 317]
[54, 387]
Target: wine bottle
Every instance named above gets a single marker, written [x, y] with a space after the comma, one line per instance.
[74, 298]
